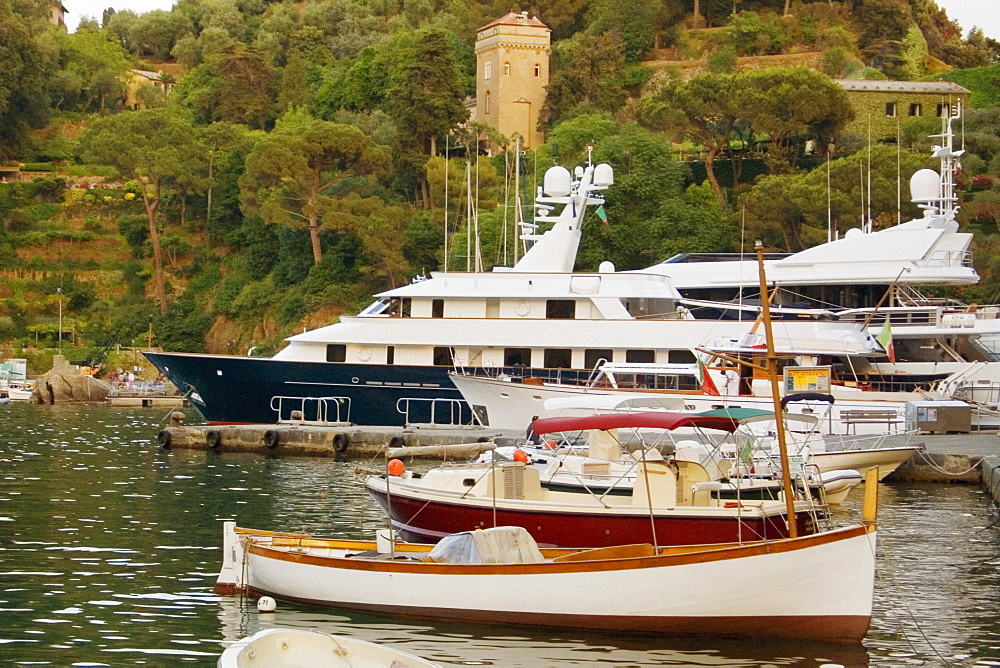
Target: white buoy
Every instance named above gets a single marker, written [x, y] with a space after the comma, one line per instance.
[266, 604]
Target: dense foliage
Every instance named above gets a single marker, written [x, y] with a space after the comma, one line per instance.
[278, 162]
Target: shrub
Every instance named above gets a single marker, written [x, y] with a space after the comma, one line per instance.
[38, 167]
[135, 229]
[91, 224]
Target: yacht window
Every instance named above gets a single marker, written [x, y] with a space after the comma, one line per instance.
[640, 356]
[561, 309]
[442, 356]
[336, 352]
[517, 356]
[558, 358]
[390, 354]
[399, 307]
[437, 308]
[492, 308]
[592, 356]
[681, 357]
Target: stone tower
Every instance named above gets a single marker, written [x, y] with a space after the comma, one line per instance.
[512, 71]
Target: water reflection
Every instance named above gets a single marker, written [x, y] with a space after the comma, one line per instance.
[109, 548]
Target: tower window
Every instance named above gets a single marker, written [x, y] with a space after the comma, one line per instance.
[538, 70]
[486, 104]
[488, 70]
[506, 69]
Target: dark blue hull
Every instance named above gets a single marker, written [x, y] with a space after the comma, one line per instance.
[239, 390]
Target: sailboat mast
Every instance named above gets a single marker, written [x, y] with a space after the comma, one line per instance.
[779, 423]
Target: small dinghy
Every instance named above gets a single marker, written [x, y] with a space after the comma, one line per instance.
[284, 648]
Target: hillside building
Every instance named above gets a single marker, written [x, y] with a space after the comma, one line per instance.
[890, 104]
[512, 71]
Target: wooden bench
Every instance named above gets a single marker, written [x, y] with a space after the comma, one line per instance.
[852, 418]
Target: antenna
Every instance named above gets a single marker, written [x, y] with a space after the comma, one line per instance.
[447, 159]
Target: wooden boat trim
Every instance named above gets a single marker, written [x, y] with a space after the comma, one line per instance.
[677, 556]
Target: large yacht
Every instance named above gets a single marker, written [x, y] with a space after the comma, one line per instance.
[389, 364]
[869, 276]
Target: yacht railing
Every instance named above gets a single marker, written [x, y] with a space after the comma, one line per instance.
[315, 410]
[440, 412]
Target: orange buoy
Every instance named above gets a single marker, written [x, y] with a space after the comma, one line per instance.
[396, 467]
[520, 456]
[550, 444]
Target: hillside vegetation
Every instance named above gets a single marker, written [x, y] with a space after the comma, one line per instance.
[290, 159]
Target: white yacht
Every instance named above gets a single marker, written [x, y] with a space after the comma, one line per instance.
[389, 364]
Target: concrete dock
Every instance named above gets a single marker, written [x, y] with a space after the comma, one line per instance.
[972, 459]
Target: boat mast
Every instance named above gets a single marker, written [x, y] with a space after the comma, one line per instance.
[779, 423]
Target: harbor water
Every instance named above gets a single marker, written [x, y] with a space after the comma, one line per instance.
[109, 548]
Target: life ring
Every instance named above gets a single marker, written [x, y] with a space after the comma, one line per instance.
[163, 438]
[213, 438]
[272, 438]
[394, 442]
[340, 442]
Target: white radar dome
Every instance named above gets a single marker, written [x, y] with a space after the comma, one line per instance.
[925, 186]
[558, 182]
[604, 175]
[606, 267]
[853, 232]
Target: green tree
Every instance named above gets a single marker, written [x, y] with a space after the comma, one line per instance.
[294, 89]
[236, 86]
[783, 101]
[23, 98]
[156, 147]
[588, 71]
[293, 174]
[705, 108]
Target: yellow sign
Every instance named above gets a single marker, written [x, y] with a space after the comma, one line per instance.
[807, 378]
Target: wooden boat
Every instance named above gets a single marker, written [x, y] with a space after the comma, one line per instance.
[671, 502]
[815, 587]
[285, 648]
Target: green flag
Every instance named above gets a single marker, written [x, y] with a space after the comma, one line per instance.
[602, 215]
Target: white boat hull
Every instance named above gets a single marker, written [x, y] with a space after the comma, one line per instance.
[816, 587]
[288, 648]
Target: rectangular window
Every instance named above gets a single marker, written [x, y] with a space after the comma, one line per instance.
[560, 309]
[336, 352]
[915, 109]
[558, 358]
[390, 354]
[506, 69]
[487, 70]
[437, 308]
[442, 356]
[592, 356]
[492, 308]
[399, 308]
[486, 102]
[943, 110]
[538, 70]
[640, 356]
[517, 356]
[890, 108]
[680, 357]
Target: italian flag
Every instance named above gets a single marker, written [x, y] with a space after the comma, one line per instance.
[706, 382]
[602, 215]
[885, 340]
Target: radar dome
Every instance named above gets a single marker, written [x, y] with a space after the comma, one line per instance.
[604, 175]
[558, 182]
[606, 267]
[853, 232]
[925, 186]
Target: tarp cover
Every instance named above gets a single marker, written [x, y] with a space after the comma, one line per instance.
[656, 420]
[498, 545]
